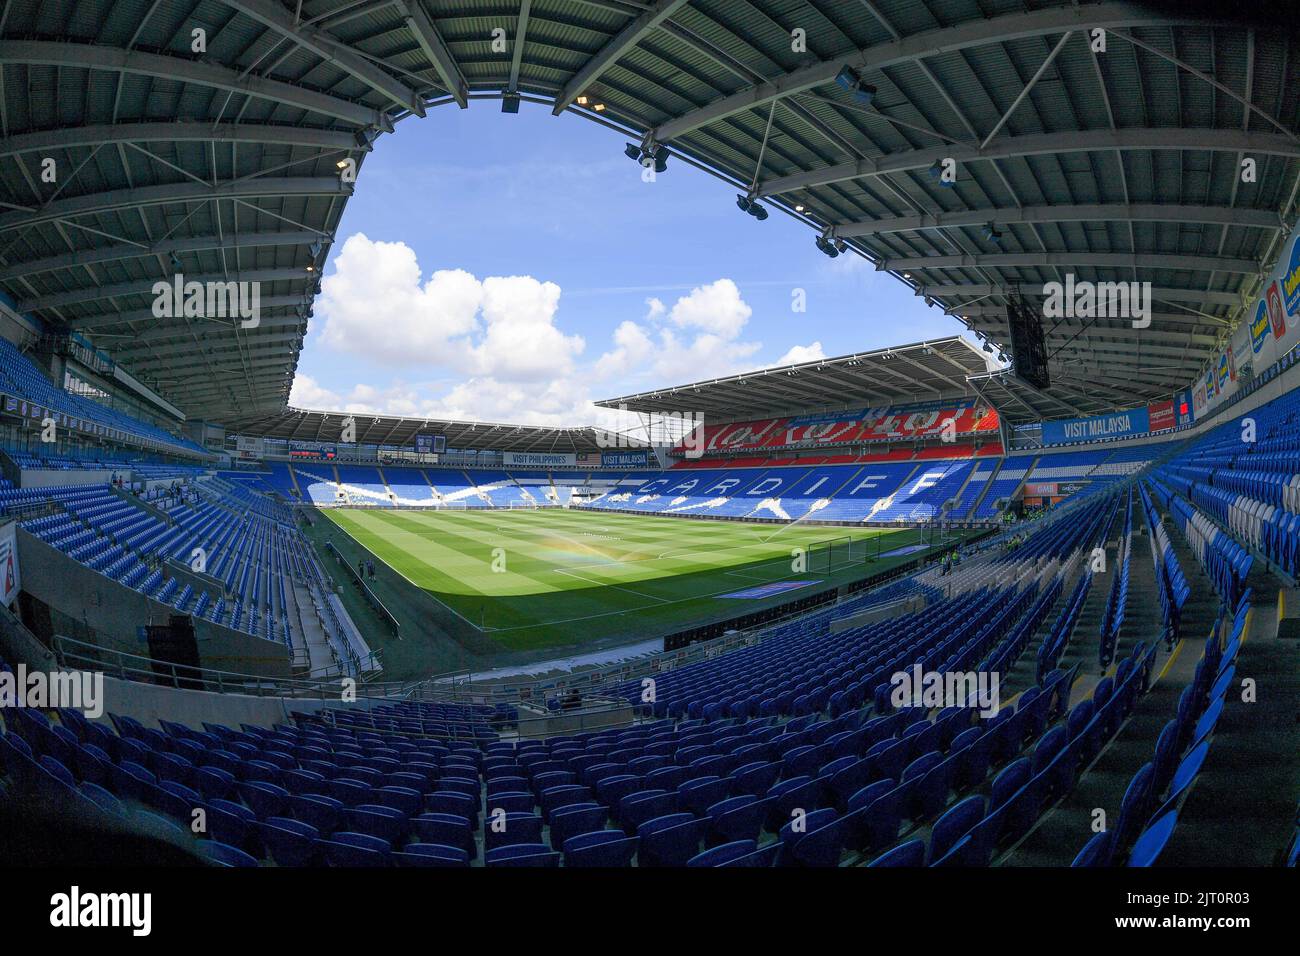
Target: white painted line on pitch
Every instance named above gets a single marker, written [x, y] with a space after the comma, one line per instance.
[400, 574]
[616, 587]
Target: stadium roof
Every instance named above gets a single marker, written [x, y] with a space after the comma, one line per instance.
[224, 164]
[918, 372]
[296, 424]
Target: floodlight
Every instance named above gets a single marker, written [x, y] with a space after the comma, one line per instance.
[826, 246]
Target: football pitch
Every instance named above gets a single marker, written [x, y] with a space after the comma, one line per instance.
[530, 579]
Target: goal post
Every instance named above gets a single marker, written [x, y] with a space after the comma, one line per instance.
[835, 553]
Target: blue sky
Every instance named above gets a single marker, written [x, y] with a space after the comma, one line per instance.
[513, 268]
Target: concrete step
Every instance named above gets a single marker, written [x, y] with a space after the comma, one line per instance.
[320, 654]
[1063, 831]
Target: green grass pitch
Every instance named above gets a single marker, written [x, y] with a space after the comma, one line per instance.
[531, 579]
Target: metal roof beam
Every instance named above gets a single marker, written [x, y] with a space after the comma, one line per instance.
[1132, 345]
[436, 50]
[1125, 353]
[972, 33]
[110, 59]
[145, 287]
[1158, 293]
[1034, 260]
[160, 330]
[1101, 212]
[195, 354]
[623, 41]
[517, 47]
[271, 14]
[108, 201]
[994, 318]
[119, 251]
[1039, 144]
[179, 132]
[107, 320]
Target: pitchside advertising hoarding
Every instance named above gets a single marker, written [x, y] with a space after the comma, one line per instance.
[1268, 331]
[312, 450]
[866, 414]
[528, 459]
[1135, 421]
[1160, 417]
[625, 459]
[1154, 418]
[249, 447]
[9, 580]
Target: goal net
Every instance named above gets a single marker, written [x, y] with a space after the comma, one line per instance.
[836, 553]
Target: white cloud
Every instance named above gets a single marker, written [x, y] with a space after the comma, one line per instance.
[522, 342]
[677, 362]
[375, 307]
[800, 354]
[491, 349]
[558, 401]
[716, 308]
[633, 348]
[698, 337]
[308, 393]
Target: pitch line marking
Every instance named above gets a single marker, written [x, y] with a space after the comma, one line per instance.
[616, 587]
[585, 617]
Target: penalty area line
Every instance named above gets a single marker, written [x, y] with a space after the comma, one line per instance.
[616, 587]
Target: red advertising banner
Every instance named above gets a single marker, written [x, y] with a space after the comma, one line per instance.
[867, 426]
[1040, 489]
[1161, 415]
[1276, 311]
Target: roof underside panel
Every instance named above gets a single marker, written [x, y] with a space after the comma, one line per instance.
[224, 165]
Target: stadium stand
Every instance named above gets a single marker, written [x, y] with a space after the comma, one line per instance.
[802, 720]
[1101, 512]
[725, 747]
[21, 381]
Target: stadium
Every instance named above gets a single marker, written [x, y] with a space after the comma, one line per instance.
[1017, 595]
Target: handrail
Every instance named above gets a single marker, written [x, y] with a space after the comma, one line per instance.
[446, 688]
[595, 712]
[369, 593]
[81, 655]
[524, 688]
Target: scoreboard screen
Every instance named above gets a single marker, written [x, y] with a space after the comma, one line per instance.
[430, 444]
[312, 451]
